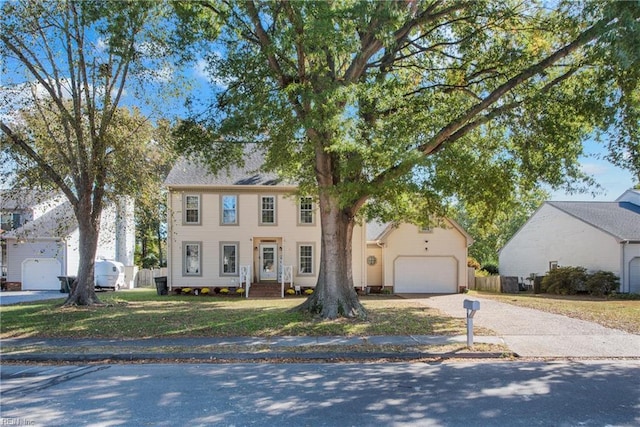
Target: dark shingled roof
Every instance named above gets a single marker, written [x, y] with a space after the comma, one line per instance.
[619, 219]
[188, 172]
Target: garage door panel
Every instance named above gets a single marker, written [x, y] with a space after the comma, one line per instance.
[634, 276]
[40, 274]
[425, 274]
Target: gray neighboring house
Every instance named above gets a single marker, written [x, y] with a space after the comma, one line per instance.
[595, 235]
[39, 239]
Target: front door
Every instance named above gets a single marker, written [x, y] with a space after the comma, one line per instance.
[268, 262]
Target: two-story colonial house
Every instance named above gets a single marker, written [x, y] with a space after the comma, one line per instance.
[245, 226]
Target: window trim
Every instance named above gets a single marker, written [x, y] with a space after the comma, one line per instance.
[261, 210]
[312, 211]
[237, 209]
[236, 245]
[184, 259]
[184, 209]
[299, 247]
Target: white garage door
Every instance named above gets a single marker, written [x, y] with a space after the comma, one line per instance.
[634, 275]
[39, 274]
[425, 275]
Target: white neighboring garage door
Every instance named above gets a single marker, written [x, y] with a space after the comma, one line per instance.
[425, 275]
[634, 276]
[40, 274]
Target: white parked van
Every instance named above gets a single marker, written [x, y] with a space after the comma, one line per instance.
[109, 274]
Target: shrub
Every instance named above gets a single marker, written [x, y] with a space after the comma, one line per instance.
[492, 269]
[308, 291]
[602, 283]
[224, 291]
[240, 291]
[290, 291]
[186, 290]
[204, 291]
[565, 280]
[473, 263]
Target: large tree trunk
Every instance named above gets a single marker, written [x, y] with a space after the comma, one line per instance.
[83, 291]
[335, 295]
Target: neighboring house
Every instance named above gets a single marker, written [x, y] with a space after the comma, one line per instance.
[243, 220]
[40, 238]
[594, 235]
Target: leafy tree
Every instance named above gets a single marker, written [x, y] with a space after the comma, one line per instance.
[151, 208]
[69, 63]
[492, 232]
[398, 109]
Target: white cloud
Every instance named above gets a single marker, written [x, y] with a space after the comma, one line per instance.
[595, 169]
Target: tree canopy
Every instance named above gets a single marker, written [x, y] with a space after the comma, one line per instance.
[399, 109]
[68, 65]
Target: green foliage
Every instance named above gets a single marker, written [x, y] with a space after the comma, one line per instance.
[565, 280]
[602, 283]
[492, 269]
[571, 280]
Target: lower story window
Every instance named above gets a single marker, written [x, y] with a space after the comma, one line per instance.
[229, 261]
[192, 260]
[305, 259]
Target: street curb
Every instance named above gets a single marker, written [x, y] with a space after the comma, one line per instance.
[248, 357]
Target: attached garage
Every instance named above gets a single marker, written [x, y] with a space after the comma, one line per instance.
[40, 274]
[425, 274]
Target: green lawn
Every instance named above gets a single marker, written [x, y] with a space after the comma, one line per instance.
[143, 314]
[613, 313]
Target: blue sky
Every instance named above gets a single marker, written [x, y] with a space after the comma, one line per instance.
[613, 180]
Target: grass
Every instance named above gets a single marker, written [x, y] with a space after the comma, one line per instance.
[143, 314]
[613, 313]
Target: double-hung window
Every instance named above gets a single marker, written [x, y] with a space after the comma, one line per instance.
[268, 210]
[10, 221]
[192, 259]
[306, 259]
[229, 207]
[229, 258]
[305, 211]
[192, 209]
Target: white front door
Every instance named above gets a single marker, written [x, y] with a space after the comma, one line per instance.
[268, 262]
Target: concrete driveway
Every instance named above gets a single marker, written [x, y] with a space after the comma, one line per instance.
[534, 333]
[15, 297]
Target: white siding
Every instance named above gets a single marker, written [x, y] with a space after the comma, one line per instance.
[18, 252]
[408, 241]
[552, 235]
[248, 233]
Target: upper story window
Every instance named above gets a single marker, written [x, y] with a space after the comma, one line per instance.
[267, 209]
[229, 206]
[192, 209]
[306, 211]
[10, 221]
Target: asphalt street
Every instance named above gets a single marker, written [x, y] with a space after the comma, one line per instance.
[584, 393]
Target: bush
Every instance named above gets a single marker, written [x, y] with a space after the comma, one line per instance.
[602, 283]
[565, 280]
[473, 263]
[492, 269]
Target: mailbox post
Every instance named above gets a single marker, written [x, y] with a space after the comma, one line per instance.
[471, 306]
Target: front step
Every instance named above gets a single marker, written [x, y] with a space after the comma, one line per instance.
[266, 290]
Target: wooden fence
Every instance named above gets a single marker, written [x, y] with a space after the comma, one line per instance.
[145, 276]
[504, 284]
